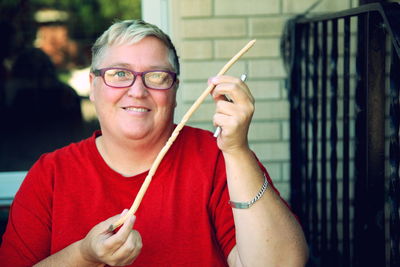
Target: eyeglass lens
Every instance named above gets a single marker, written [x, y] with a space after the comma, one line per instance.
[125, 78]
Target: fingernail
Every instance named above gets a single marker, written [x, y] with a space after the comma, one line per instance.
[124, 212]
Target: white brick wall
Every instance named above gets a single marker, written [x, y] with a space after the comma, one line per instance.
[298, 6]
[209, 32]
[206, 28]
[247, 8]
[194, 8]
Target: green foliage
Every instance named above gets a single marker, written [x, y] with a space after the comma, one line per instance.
[121, 9]
[88, 18]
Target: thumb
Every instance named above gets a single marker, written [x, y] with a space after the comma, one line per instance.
[105, 225]
[123, 232]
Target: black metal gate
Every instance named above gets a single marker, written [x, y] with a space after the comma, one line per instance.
[344, 86]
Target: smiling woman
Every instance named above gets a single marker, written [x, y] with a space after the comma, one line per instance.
[117, 108]
[71, 196]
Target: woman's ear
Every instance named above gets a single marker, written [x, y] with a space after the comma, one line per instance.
[91, 93]
[176, 88]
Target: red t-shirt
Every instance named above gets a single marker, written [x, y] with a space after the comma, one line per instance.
[184, 218]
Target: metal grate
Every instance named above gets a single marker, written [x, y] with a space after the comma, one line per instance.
[340, 92]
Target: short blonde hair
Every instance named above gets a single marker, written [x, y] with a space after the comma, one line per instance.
[130, 32]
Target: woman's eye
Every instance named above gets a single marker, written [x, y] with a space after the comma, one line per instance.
[121, 74]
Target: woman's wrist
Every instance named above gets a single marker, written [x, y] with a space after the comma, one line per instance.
[69, 256]
[238, 151]
[85, 257]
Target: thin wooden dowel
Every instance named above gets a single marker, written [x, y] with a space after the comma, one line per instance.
[173, 136]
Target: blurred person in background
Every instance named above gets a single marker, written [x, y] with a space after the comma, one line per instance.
[41, 112]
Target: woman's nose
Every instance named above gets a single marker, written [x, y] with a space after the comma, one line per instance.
[138, 89]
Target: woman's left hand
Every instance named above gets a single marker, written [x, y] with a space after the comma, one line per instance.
[233, 117]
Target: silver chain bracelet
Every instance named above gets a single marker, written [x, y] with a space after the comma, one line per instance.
[246, 205]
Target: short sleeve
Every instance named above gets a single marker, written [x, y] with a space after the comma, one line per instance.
[220, 211]
[27, 238]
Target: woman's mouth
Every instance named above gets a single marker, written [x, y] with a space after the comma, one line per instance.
[136, 109]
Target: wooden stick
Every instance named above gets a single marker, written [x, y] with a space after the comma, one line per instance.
[173, 136]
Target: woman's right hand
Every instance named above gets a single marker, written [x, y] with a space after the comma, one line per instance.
[115, 249]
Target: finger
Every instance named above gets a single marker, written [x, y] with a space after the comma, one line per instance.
[229, 124]
[232, 93]
[113, 219]
[225, 107]
[228, 79]
[118, 239]
[231, 86]
[130, 249]
[93, 243]
[223, 110]
[239, 111]
[221, 120]
[222, 97]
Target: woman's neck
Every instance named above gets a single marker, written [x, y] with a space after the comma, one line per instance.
[130, 157]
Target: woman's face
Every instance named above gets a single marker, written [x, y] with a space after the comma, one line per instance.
[134, 112]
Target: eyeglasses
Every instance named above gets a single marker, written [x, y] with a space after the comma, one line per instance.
[122, 78]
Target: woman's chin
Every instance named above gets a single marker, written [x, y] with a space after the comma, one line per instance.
[137, 134]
